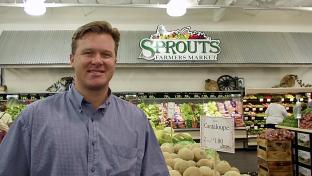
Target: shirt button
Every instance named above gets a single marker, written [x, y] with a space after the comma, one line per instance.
[92, 120]
[92, 169]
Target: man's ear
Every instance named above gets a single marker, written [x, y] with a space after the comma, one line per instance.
[71, 59]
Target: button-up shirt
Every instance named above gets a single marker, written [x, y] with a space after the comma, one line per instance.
[64, 136]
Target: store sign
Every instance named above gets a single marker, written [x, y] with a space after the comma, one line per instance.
[179, 45]
[217, 133]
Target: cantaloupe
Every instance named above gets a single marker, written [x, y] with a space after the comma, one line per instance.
[192, 171]
[232, 173]
[206, 162]
[181, 166]
[186, 154]
[170, 162]
[205, 171]
[223, 167]
[199, 154]
[174, 173]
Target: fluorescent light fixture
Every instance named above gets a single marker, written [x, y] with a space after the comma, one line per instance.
[176, 8]
[35, 7]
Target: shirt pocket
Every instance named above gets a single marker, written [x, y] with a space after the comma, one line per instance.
[125, 160]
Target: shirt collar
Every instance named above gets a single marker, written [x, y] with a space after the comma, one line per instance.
[78, 100]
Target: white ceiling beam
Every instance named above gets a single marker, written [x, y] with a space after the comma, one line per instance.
[219, 13]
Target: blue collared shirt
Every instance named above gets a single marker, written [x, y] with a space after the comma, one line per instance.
[64, 136]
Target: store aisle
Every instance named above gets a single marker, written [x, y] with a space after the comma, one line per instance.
[244, 160]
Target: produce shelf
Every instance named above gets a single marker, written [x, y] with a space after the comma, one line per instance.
[295, 129]
[277, 90]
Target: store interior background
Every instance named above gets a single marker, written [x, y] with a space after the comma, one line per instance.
[163, 77]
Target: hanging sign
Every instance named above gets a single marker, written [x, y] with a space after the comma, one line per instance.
[179, 45]
[217, 133]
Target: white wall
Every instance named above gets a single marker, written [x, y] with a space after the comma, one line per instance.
[153, 79]
[156, 79]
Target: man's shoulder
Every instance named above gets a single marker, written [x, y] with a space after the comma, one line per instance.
[125, 104]
[49, 101]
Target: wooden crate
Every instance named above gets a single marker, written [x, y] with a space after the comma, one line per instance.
[264, 172]
[274, 150]
[276, 165]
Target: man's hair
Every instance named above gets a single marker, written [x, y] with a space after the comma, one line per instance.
[98, 27]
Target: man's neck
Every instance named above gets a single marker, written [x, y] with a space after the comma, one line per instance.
[95, 97]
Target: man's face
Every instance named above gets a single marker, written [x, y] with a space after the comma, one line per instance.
[94, 61]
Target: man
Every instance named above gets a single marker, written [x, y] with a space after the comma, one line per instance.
[85, 131]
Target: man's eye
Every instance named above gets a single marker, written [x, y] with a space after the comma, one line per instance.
[106, 55]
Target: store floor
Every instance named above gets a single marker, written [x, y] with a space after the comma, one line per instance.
[244, 159]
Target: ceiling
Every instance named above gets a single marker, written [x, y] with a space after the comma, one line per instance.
[200, 12]
[260, 4]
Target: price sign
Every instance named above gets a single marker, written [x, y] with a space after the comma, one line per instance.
[244, 100]
[287, 108]
[246, 118]
[260, 109]
[170, 110]
[291, 99]
[261, 99]
[178, 96]
[301, 99]
[254, 109]
[253, 118]
[246, 109]
[217, 133]
[262, 126]
[268, 100]
[255, 127]
[282, 99]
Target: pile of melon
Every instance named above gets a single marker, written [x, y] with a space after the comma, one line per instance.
[191, 160]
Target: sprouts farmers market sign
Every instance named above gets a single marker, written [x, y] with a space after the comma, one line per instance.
[179, 45]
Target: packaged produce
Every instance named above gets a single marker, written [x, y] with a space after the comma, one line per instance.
[276, 134]
[306, 120]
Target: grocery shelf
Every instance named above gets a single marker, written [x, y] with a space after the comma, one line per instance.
[295, 129]
[277, 90]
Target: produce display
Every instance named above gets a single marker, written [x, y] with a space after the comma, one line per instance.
[290, 121]
[14, 108]
[188, 159]
[254, 107]
[306, 120]
[187, 115]
[277, 134]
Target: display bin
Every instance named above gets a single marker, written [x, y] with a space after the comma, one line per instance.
[274, 150]
[275, 167]
[266, 172]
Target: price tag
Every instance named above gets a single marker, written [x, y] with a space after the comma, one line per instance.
[246, 118]
[170, 110]
[268, 100]
[253, 118]
[301, 99]
[261, 99]
[261, 109]
[265, 117]
[246, 109]
[178, 96]
[287, 108]
[252, 125]
[244, 100]
[254, 109]
[262, 126]
[282, 99]
[291, 99]
[255, 127]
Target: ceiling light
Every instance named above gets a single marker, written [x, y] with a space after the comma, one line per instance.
[35, 7]
[176, 8]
